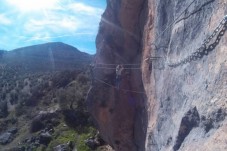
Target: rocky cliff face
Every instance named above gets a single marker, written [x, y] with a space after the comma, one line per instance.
[185, 99]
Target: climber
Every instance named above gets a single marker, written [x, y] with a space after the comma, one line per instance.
[91, 69]
[119, 69]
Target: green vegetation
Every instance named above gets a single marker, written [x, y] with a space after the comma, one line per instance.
[37, 99]
[61, 92]
[19, 110]
[63, 135]
[80, 143]
[41, 148]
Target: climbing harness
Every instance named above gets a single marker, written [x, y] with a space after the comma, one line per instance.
[204, 49]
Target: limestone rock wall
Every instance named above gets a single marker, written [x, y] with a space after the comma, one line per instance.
[182, 107]
[187, 103]
[118, 112]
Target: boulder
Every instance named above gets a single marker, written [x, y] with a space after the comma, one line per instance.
[92, 143]
[6, 138]
[95, 142]
[13, 130]
[42, 121]
[64, 147]
[45, 138]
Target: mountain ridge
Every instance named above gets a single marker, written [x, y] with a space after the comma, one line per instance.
[54, 56]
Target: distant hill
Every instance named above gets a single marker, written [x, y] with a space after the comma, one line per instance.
[55, 56]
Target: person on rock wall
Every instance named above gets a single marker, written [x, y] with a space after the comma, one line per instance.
[119, 70]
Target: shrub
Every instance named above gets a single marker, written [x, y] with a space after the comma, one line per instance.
[65, 137]
[81, 146]
[19, 110]
[82, 78]
[13, 97]
[3, 109]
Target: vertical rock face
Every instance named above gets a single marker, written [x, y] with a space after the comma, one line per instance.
[185, 99]
[120, 113]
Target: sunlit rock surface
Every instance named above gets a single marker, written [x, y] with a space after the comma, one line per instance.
[183, 107]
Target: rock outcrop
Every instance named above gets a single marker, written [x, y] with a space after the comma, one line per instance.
[7, 136]
[183, 106]
[118, 112]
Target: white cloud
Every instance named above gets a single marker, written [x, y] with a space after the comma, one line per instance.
[33, 21]
[39, 36]
[85, 9]
[4, 20]
[56, 23]
[45, 36]
[70, 17]
[33, 5]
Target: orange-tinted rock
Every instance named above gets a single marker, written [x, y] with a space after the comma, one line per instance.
[118, 112]
[162, 118]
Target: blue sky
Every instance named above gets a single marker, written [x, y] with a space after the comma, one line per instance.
[29, 22]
